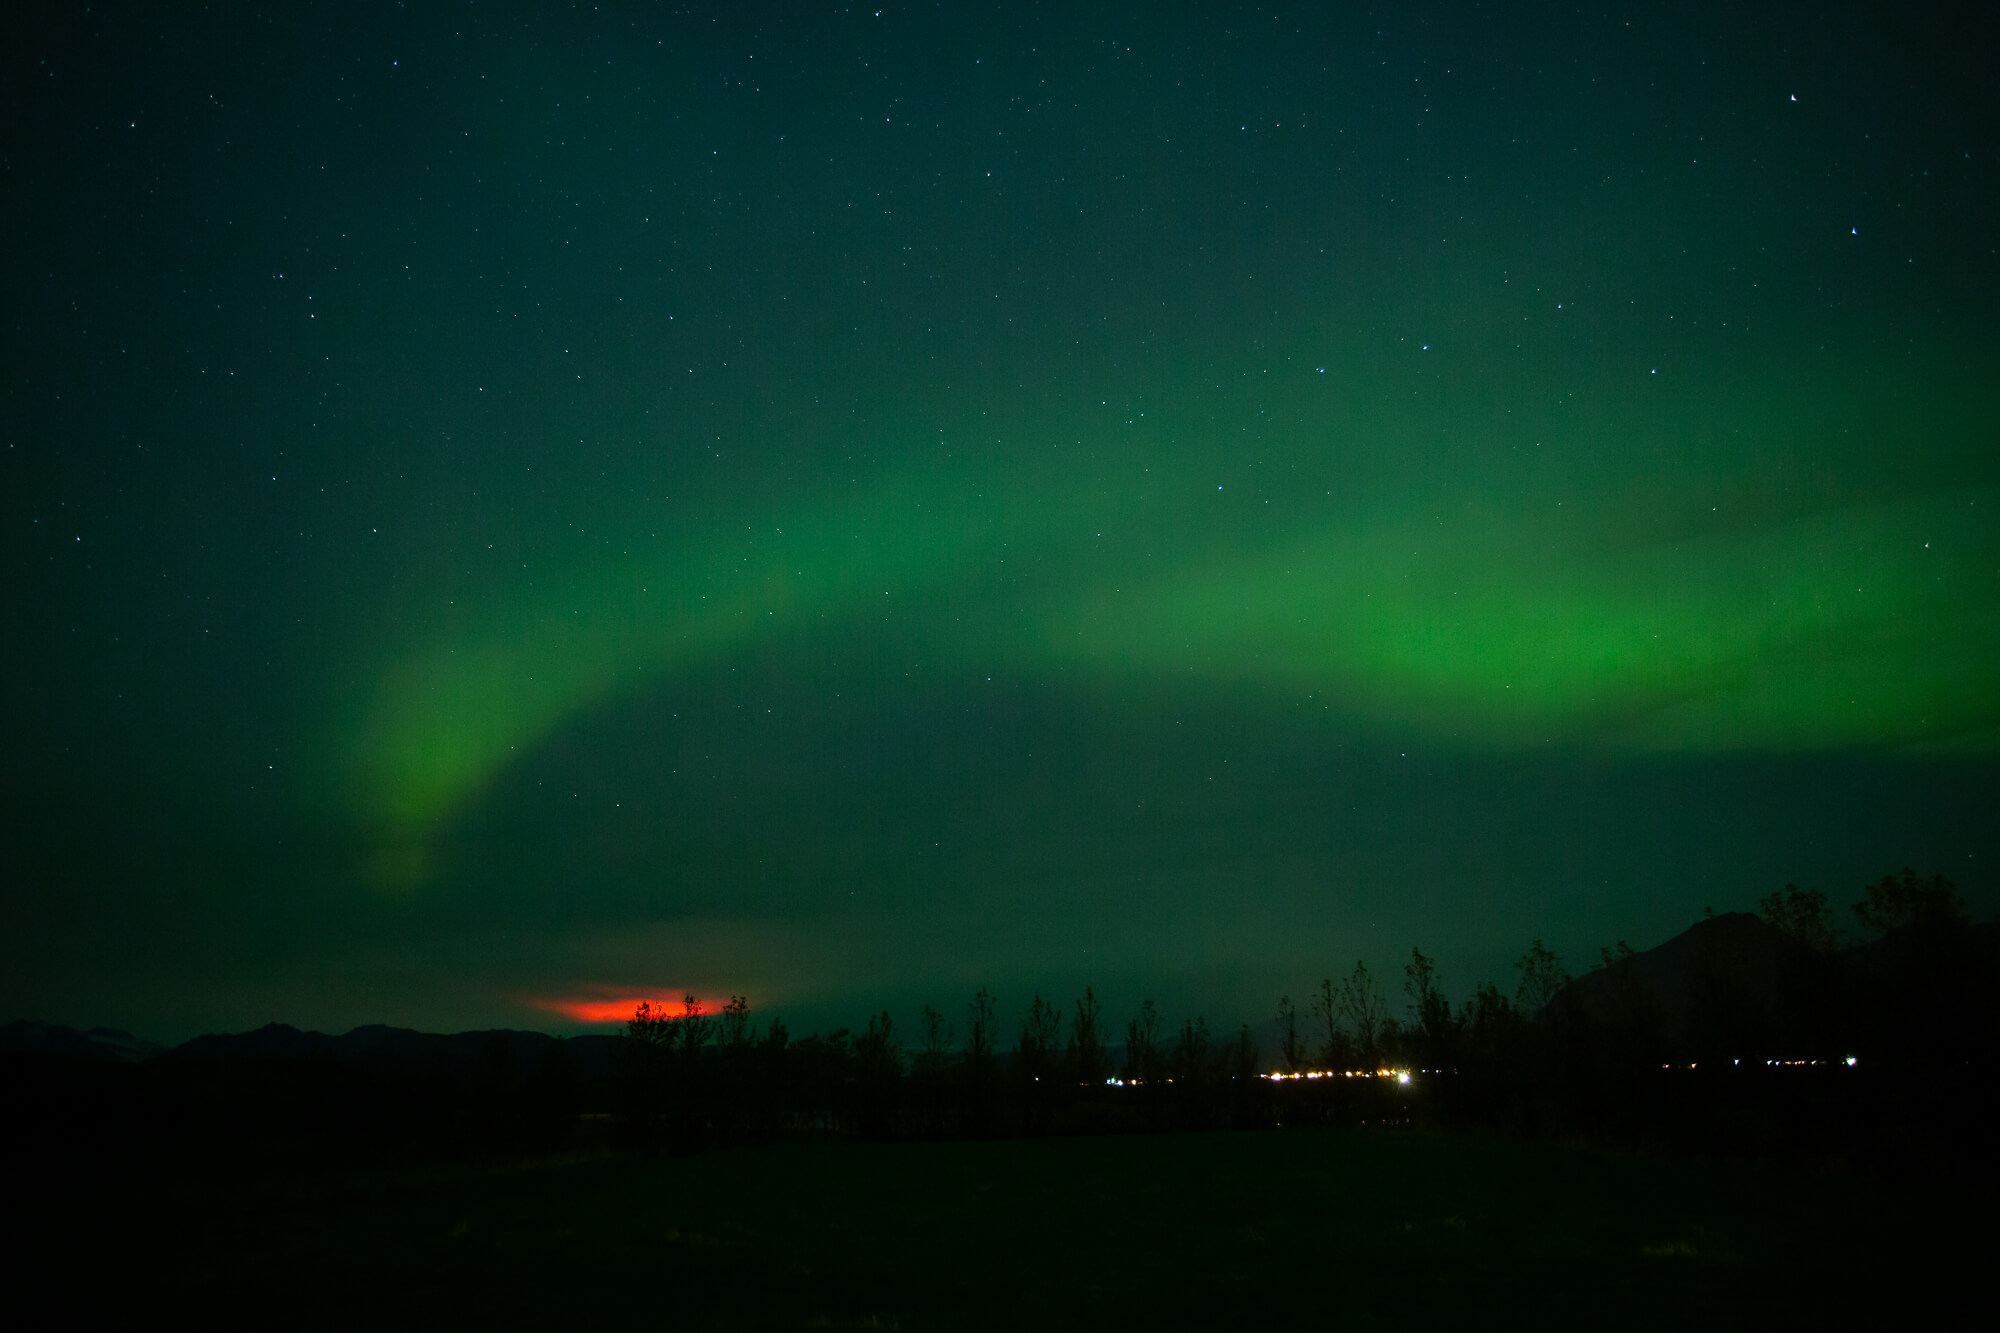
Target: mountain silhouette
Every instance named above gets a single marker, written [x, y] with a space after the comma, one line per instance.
[375, 1047]
[1735, 960]
[116, 1044]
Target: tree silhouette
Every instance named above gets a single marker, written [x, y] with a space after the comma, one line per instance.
[878, 1057]
[1239, 1058]
[1187, 1071]
[823, 1076]
[1557, 1058]
[1803, 915]
[1928, 999]
[1086, 1046]
[1902, 903]
[1248, 1094]
[933, 1041]
[1429, 1008]
[1813, 999]
[692, 1027]
[1490, 1020]
[979, 1031]
[738, 1070]
[1035, 1054]
[652, 1038]
[649, 1027]
[934, 1037]
[1291, 1041]
[1336, 1051]
[1190, 1055]
[1142, 1045]
[1542, 979]
[735, 1023]
[1361, 1010]
[879, 1049]
[979, 1060]
[1041, 1031]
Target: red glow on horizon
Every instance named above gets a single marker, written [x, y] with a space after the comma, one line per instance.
[610, 1004]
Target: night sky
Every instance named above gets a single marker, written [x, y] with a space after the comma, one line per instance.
[508, 507]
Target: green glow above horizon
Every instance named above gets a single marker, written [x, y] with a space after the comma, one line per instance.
[878, 504]
[1843, 629]
[1488, 612]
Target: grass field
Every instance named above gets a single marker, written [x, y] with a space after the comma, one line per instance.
[1291, 1228]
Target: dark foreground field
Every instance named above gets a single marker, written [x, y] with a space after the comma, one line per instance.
[1290, 1228]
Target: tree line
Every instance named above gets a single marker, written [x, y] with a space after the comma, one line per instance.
[1803, 1031]
[1743, 1022]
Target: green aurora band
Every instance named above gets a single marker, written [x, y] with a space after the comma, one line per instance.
[1502, 599]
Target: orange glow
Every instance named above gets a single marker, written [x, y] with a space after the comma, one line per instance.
[614, 1004]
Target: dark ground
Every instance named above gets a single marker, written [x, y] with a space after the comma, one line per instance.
[1356, 1228]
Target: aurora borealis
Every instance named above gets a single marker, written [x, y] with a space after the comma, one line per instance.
[846, 506]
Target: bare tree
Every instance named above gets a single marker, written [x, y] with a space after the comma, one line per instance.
[979, 1063]
[1542, 979]
[1142, 1044]
[880, 1050]
[979, 1035]
[1086, 1045]
[649, 1027]
[735, 1023]
[1932, 999]
[1491, 1020]
[1190, 1054]
[934, 1037]
[933, 1041]
[1035, 1049]
[1906, 903]
[1334, 1048]
[643, 1059]
[1802, 914]
[1240, 1059]
[694, 1027]
[1291, 1041]
[664, 1046]
[1428, 1005]
[1041, 1028]
[670, 1036]
[1361, 1009]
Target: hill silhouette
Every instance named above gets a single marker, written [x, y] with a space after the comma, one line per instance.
[33, 1036]
[381, 1049]
[1733, 960]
